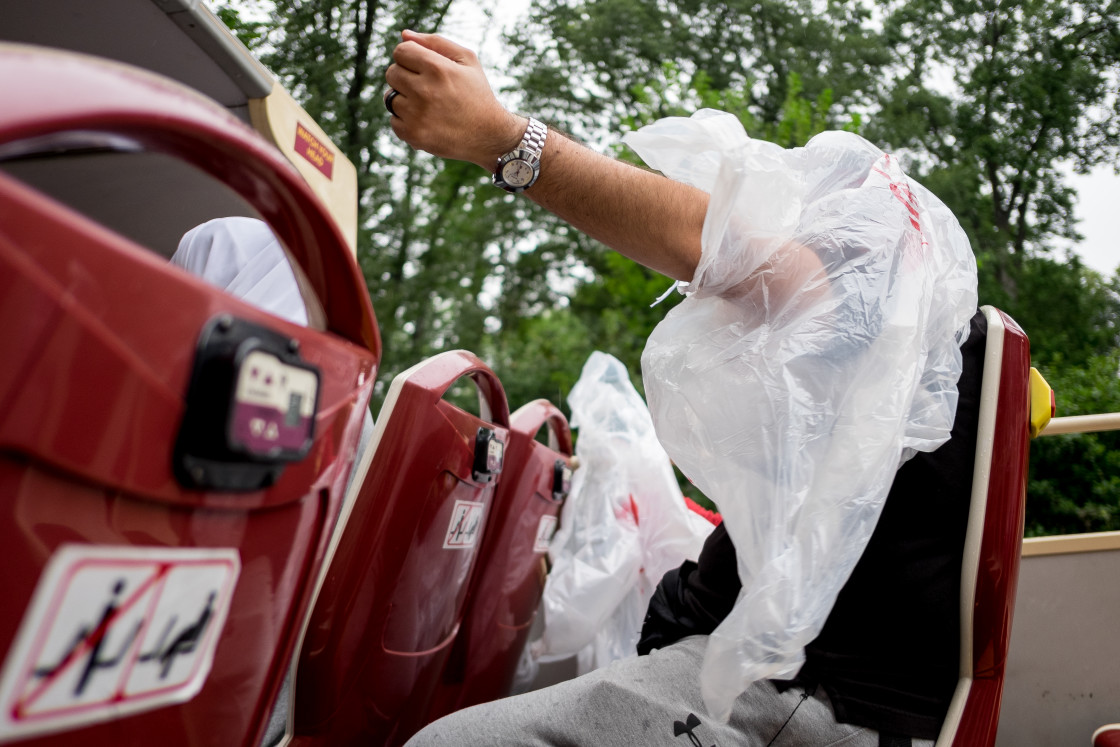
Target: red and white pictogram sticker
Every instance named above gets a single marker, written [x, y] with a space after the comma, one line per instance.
[112, 631]
[465, 526]
[545, 529]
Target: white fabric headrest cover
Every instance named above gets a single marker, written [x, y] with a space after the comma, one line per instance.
[243, 257]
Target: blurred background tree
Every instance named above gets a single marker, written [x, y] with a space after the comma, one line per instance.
[990, 103]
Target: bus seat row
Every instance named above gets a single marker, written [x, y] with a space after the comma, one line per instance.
[175, 463]
[438, 570]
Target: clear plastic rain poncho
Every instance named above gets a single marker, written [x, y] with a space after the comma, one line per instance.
[623, 526]
[817, 349]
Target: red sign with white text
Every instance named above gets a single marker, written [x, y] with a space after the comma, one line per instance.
[311, 148]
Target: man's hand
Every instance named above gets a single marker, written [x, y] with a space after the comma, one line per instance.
[445, 105]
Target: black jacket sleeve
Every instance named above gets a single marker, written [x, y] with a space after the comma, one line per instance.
[694, 598]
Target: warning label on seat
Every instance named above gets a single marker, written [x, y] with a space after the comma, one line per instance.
[112, 631]
[466, 520]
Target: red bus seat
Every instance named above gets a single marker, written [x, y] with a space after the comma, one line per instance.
[1107, 736]
[147, 598]
[993, 541]
[506, 590]
[394, 598]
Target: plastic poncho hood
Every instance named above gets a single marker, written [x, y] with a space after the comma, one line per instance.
[818, 348]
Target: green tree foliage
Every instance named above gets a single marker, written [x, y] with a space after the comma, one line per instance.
[448, 259]
[246, 30]
[989, 100]
[1070, 312]
[583, 62]
[1075, 479]
[1032, 90]
[995, 100]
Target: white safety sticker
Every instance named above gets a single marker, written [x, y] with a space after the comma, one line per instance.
[112, 631]
[545, 529]
[465, 526]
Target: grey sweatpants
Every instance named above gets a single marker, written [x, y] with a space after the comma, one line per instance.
[648, 700]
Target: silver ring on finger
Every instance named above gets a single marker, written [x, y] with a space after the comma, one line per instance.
[392, 94]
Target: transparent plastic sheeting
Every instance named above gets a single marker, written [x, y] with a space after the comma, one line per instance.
[817, 349]
[623, 526]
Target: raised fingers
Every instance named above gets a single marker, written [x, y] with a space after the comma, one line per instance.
[441, 46]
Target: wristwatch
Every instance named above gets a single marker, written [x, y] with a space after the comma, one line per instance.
[518, 170]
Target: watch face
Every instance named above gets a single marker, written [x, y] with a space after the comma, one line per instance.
[517, 173]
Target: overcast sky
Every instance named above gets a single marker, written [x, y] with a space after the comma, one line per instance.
[1097, 205]
[477, 24]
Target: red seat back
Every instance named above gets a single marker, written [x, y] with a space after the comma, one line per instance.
[994, 539]
[138, 609]
[507, 589]
[393, 601]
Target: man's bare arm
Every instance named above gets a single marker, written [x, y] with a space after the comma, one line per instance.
[445, 106]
